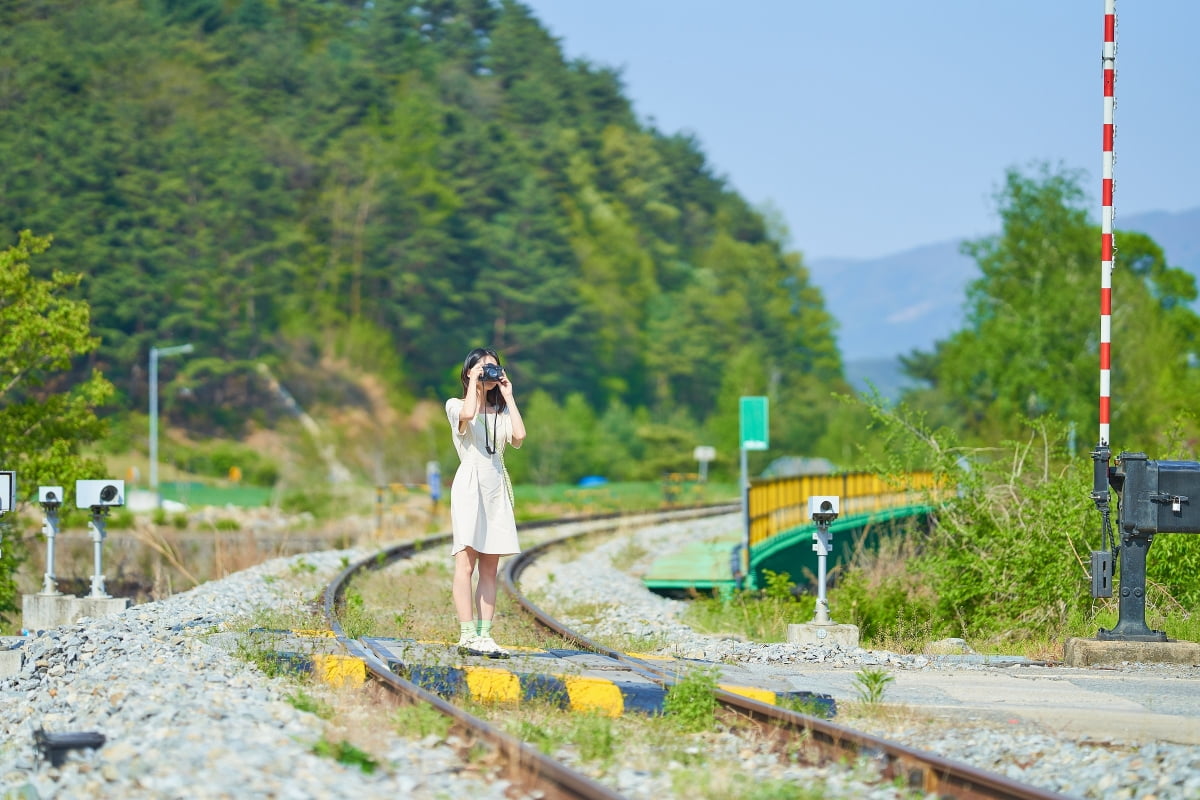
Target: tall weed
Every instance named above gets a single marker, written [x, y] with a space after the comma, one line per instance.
[1007, 561]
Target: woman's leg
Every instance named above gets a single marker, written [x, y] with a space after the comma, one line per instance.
[464, 566]
[485, 592]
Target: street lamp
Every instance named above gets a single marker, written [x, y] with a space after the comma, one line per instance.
[155, 354]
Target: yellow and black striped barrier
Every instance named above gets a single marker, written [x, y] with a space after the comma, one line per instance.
[573, 680]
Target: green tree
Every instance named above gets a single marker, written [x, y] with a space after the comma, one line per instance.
[44, 419]
[1030, 347]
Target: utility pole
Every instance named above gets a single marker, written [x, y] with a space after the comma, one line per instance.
[155, 354]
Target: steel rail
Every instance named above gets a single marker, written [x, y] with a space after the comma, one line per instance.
[523, 765]
[918, 769]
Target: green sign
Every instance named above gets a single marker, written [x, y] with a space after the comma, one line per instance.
[753, 424]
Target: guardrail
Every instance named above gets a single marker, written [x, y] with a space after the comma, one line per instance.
[776, 505]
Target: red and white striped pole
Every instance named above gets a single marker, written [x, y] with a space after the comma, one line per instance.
[1103, 560]
[1106, 219]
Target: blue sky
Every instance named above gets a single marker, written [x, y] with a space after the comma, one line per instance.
[874, 127]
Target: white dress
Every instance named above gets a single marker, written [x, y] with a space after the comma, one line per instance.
[481, 509]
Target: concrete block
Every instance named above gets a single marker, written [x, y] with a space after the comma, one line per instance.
[41, 612]
[10, 660]
[100, 606]
[1095, 652]
[817, 633]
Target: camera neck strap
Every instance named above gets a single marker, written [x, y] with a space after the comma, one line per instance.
[490, 447]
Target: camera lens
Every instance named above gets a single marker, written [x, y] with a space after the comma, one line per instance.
[108, 493]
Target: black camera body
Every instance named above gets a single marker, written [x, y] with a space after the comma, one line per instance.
[491, 372]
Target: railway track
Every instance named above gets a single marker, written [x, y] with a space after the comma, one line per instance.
[822, 741]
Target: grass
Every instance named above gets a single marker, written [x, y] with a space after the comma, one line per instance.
[396, 601]
[421, 721]
[303, 701]
[870, 683]
[630, 553]
[346, 753]
[762, 616]
[706, 785]
[196, 493]
[692, 702]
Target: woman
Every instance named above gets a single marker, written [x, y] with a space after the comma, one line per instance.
[484, 420]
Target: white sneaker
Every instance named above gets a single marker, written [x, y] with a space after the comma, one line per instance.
[487, 646]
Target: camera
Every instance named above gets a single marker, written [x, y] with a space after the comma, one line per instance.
[50, 496]
[99, 494]
[823, 508]
[491, 372]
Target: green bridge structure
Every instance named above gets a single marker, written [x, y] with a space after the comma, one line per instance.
[780, 535]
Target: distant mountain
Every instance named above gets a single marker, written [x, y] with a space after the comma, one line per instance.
[890, 306]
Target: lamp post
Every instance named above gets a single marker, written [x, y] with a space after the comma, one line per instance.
[155, 354]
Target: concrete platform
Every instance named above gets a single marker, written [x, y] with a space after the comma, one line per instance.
[818, 633]
[42, 612]
[1101, 703]
[570, 679]
[1096, 652]
[10, 656]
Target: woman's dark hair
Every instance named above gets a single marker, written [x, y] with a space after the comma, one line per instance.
[494, 397]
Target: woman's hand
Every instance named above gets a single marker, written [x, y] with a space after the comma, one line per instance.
[506, 387]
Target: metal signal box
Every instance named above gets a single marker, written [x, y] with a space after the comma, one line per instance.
[1157, 496]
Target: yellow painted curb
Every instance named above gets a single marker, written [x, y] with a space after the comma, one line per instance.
[490, 685]
[761, 695]
[594, 694]
[339, 670]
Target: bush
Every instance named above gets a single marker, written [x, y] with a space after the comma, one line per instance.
[217, 460]
[1008, 558]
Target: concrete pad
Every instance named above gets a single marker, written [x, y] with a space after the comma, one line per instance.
[1099, 702]
[100, 606]
[43, 612]
[817, 633]
[10, 657]
[1095, 652]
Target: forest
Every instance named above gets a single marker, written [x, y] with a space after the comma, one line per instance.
[339, 199]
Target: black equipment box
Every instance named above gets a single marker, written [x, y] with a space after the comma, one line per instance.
[1157, 496]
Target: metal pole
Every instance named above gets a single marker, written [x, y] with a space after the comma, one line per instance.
[50, 528]
[155, 354]
[1106, 217]
[154, 420]
[821, 545]
[97, 526]
[745, 556]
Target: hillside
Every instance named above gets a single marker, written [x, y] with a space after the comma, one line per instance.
[326, 191]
